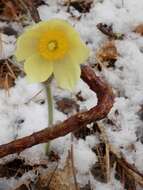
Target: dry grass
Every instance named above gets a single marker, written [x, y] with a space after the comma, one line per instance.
[8, 73]
[109, 156]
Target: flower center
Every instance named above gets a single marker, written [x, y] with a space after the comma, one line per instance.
[53, 45]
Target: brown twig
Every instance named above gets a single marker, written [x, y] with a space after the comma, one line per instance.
[105, 102]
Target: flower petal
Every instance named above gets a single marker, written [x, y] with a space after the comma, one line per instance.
[65, 27]
[77, 46]
[27, 42]
[26, 45]
[67, 72]
[60, 24]
[38, 28]
[54, 24]
[37, 69]
[80, 51]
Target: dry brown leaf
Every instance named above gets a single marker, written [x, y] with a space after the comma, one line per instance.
[58, 179]
[8, 74]
[108, 31]
[10, 10]
[67, 105]
[82, 6]
[107, 52]
[139, 29]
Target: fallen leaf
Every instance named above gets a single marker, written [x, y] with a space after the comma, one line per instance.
[107, 52]
[139, 29]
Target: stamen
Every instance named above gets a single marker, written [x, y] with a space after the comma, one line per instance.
[52, 45]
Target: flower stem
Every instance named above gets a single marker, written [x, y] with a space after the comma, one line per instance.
[50, 104]
[50, 111]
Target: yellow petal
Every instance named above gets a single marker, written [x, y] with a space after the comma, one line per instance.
[67, 72]
[59, 24]
[77, 46]
[65, 27]
[27, 42]
[80, 51]
[54, 24]
[38, 28]
[26, 45]
[37, 69]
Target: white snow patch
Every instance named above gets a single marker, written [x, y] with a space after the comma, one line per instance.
[83, 163]
[7, 46]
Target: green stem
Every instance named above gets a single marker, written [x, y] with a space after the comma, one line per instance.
[50, 104]
[50, 110]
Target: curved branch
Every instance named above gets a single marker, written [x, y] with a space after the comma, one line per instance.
[105, 103]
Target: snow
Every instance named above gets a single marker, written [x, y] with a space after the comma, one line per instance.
[113, 185]
[20, 115]
[90, 96]
[126, 79]
[83, 163]
[7, 46]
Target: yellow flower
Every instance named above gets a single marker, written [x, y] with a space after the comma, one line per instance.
[52, 47]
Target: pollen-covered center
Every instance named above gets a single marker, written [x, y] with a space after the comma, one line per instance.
[53, 45]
